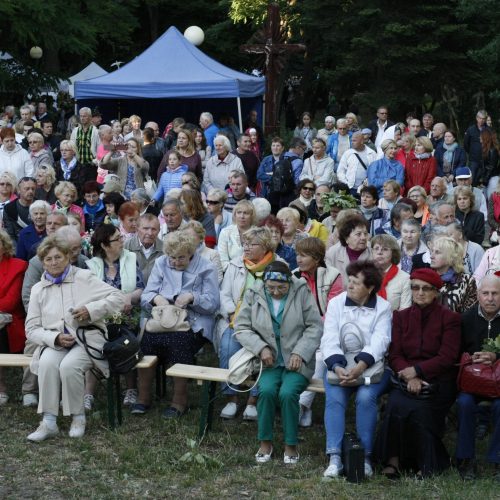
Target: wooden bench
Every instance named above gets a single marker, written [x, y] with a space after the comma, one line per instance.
[113, 382]
[209, 377]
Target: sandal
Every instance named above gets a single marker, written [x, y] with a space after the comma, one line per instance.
[172, 412]
[393, 475]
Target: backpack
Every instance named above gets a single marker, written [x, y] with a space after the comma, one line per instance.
[282, 181]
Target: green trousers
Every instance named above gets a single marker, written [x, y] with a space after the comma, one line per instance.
[283, 386]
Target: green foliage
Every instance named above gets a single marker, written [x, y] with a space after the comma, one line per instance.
[194, 457]
[492, 345]
[341, 199]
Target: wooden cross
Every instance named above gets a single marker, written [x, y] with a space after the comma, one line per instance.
[275, 49]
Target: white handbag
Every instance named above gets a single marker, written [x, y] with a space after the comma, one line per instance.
[150, 186]
[243, 364]
[373, 374]
[168, 318]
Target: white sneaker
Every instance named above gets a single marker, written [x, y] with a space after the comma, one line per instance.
[229, 411]
[77, 429]
[30, 399]
[130, 397]
[43, 432]
[250, 413]
[335, 468]
[368, 469]
[305, 417]
[4, 398]
[88, 402]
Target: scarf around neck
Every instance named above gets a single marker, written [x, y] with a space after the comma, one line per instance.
[422, 156]
[67, 168]
[57, 280]
[368, 212]
[449, 276]
[257, 268]
[388, 276]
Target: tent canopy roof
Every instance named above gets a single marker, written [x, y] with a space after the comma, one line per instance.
[172, 67]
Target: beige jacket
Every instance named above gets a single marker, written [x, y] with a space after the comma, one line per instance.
[337, 257]
[398, 291]
[120, 166]
[300, 331]
[50, 305]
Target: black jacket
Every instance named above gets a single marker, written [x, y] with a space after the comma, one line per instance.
[374, 128]
[473, 224]
[475, 330]
[472, 143]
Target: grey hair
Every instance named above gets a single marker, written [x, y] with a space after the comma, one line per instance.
[38, 204]
[208, 115]
[85, 110]
[225, 142]
[219, 193]
[341, 121]
[172, 201]
[262, 209]
[69, 233]
[142, 195]
[434, 208]
[103, 129]
[485, 278]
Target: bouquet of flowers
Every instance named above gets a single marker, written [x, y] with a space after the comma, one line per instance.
[492, 344]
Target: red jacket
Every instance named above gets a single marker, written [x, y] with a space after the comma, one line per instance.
[402, 157]
[11, 281]
[420, 173]
[428, 339]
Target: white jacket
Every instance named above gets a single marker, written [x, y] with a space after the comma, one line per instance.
[17, 162]
[320, 171]
[375, 324]
[229, 245]
[349, 165]
[398, 291]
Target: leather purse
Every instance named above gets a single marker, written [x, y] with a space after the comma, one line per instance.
[168, 318]
[243, 364]
[479, 379]
[372, 375]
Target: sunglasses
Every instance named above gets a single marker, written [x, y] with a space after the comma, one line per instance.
[424, 288]
[212, 202]
[308, 189]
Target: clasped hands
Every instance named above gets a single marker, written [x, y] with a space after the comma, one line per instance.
[349, 377]
[294, 364]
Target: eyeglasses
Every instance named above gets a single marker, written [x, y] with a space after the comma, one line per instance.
[180, 258]
[34, 142]
[278, 288]
[247, 244]
[424, 288]
[4, 184]
[341, 128]
[212, 202]
[186, 182]
[118, 238]
[308, 189]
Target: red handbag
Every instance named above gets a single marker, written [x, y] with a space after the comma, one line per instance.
[479, 379]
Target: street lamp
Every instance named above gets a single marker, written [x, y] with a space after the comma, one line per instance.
[36, 52]
[195, 35]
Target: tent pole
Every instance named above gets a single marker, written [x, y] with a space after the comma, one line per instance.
[263, 114]
[238, 101]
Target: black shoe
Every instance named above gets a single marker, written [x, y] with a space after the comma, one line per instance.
[172, 412]
[468, 470]
[481, 431]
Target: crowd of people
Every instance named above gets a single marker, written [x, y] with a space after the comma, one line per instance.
[353, 254]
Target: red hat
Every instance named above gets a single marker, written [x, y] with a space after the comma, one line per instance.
[428, 275]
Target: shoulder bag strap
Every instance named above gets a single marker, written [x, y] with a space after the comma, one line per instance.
[361, 161]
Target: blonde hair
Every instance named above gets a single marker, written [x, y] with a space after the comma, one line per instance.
[197, 227]
[465, 191]
[6, 242]
[49, 172]
[289, 213]
[420, 190]
[245, 205]
[262, 235]
[10, 179]
[426, 143]
[50, 242]
[66, 185]
[179, 242]
[452, 250]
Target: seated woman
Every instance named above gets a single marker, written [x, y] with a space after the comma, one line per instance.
[66, 299]
[142, 201]
[277, 229]
[477, 323]
[472, 252]
[392, 195]
[31, 236]
[45, 176]
[215, 206]
[113, 202]
[183, 278]
[352, 244]
[375, 216]
[8, 187]
[94, 210]
[279, 322]
[128, 214]
[66, 195]
[413, 249]
[459, 291]
[241, 274]
[419, 196]
[229, 244]
[424, 350]
[324, 283]
[308, 226]
[395, 286]
[361, 309]
[471, 220]
[306, 189]
[12, 337]
[194, 209]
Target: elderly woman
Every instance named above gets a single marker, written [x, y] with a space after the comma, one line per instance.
[423, 353]
[45, 176]
[471, 220]
[131, 169]
[306, 189]
[241, 274]
[286, 252]
[324, 283]
[229, 244]
[472, 252]
[420, 171]
[220, 165]
[39, 155]
[319, 166]
[419, 196]
[117, 267]
[8, 183]
[290, 219]
[70, 169]
[196, 230]
[395, 287]
[413, 249]
[374, 215]
[363, 313]
[308, 225]
[66, 299]
[386, 168]
[185, 279]
[14, 158]
[66, 194]
[449, 156]
[352, 245]
[391, 195]
[279, 323]
[193, 209]
[459, 291]
[32, 235]
[215, 205]
[143, 202]
[128, 214]
[12, 328]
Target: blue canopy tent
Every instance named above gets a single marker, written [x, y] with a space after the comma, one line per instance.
[172, 78]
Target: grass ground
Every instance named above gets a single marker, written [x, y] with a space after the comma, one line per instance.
[142, 459]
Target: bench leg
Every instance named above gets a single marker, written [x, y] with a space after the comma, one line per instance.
[111, 402]
[207, 407]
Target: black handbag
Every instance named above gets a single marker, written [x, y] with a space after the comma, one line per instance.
[122, 349]
[426, 392]
[353, 457]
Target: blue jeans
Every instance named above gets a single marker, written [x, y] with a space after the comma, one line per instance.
[227, 347]
[467, 405]
[337, 399]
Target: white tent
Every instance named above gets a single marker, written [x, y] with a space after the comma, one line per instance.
[93, 70]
